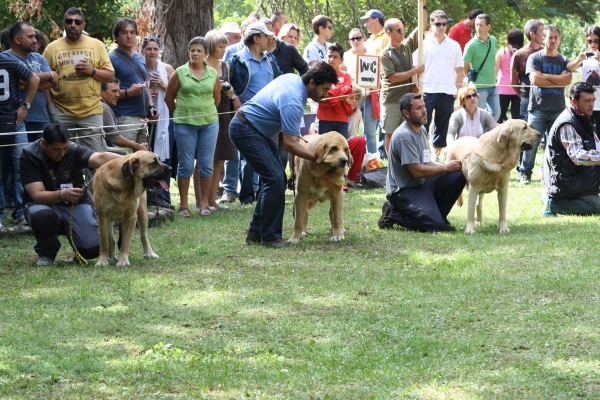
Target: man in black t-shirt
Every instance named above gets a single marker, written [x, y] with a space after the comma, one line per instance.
[51, 172]
[12, 115]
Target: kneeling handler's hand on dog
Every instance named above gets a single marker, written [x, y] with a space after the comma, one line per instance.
[454, 165]
[72, 195]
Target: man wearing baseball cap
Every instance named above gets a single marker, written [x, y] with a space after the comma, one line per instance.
[232, 31]
[378, 41]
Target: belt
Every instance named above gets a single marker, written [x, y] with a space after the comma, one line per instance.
[242, 117]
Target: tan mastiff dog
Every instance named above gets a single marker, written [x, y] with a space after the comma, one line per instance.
[320, 180]
[120, 195]
[487, 163]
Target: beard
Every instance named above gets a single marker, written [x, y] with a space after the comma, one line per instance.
[73, 35]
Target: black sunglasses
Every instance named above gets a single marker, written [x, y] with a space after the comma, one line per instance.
[330, 28]
[69, 21]
[151, 39]
[469, 96]
[440, 23]
[590, 41]
[352, 39]
[400, 30]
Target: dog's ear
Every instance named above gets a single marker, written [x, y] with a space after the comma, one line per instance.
[320, 151]
[503, 136]
[128, 168]
[350, 158]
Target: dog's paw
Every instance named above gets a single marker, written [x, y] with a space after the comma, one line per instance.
[503, 229]
[305, 233]
[102, 262]
[123, 262]
[478, 222]
[470, 230]
[336, 238]
[293, 241]
[151, 255]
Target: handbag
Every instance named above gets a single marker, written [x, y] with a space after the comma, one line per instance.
[8, 123]
[374, 179]
[375, 106]
[473, 74]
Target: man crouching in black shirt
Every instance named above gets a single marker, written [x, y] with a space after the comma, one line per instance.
[51, 173]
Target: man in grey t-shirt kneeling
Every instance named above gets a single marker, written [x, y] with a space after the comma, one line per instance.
[420, 193]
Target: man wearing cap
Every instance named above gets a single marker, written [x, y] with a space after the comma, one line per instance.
[251, 69]
[463, 31]
[232, 31]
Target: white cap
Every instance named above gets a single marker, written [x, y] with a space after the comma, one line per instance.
[230, 27]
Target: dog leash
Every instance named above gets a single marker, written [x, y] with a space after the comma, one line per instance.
[82, 261]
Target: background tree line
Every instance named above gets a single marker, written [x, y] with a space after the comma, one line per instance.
[177, 21]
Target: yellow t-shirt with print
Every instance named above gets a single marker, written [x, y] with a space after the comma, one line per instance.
[77, 95]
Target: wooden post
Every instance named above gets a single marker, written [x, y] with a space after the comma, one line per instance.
[422, 23]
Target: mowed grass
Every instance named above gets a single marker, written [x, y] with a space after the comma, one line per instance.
[386, 314]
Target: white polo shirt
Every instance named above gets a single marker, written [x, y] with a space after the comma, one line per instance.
[440, 60]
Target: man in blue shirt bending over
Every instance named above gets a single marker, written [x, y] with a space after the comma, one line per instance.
[278, 107]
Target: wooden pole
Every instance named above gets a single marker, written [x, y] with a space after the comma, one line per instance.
[422, 15]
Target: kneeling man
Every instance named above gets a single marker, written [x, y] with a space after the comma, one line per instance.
[571, 158]
[420, 193]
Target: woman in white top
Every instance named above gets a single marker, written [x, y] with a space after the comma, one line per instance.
[357, 41]
[469, 120]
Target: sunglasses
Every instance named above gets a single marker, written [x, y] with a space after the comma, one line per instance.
[470, 96]
[330, 27]
[352, 39]
[400, 30]
[69, 21]
[590, 41]
[438, 24]
[151, 39]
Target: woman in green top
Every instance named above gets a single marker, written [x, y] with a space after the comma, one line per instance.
[193, 93]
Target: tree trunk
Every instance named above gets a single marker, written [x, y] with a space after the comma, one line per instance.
[177, 22]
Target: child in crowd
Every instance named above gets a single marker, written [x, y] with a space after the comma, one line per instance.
[357, 144]
[333, 113]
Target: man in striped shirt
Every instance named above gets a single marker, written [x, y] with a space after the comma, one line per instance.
[572, 158]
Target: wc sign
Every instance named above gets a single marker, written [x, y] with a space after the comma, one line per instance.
[367, 71]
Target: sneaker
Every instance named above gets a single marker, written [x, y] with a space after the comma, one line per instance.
[1, 225]
[20, 220]
[44, 261]
[252, 237]
[384, 221]
[525, 178]
[276, 244]
[227, 198]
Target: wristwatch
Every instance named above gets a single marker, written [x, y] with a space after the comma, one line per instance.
[28, 105]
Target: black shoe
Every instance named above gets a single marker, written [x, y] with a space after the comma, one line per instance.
[252, 237]
[384, 221]
[449, 228]
[276, 244]
[159, 201]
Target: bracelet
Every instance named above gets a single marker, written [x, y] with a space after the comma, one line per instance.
[61, 194]
[126, 95]
[93, 72]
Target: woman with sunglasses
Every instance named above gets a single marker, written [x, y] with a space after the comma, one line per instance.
[357, 43]
[197, 89]
[590, 68]
[469, 120]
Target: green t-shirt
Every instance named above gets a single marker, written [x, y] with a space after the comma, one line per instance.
[475, 52]
[195, 101]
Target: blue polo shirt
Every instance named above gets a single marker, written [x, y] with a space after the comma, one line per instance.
[278, 107]
[130, 106]
[36, 63]
[261, 75]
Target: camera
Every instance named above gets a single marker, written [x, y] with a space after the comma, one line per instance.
[226, 86]
[590, 54]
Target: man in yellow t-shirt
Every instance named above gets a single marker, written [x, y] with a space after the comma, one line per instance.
[81, 63]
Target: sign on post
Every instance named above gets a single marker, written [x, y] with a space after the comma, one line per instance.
[367, 71]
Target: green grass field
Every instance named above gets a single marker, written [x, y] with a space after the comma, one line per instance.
[383, 315]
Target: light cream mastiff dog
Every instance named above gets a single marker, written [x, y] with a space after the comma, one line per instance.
[487, 163]
[320, 180]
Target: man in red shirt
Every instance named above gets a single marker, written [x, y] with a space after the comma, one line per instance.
[463, 31]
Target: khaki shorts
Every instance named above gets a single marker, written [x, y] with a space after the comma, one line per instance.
[391, 117]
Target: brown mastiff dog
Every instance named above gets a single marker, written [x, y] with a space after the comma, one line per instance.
[120, 195]
[320, 180]
[487, 163]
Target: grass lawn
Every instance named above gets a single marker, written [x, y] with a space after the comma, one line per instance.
[382, 315]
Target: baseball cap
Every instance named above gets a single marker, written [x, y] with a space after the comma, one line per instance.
[372, 14]
[258, 28]
[230, 27]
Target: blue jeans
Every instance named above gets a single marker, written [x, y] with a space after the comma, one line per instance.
[582, 205]
[249, 182]
[541, 121]
[370, 124]
[490, 97]
[523, 113]
[261, 153]
[12, 154]
[198, 139]
[232, 176]
[328, 126]
[35, 127]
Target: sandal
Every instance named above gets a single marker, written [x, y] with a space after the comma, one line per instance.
[184, 212]
[205, 212]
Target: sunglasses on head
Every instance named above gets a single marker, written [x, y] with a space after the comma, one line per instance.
[70, 21]
[151, 39]
[352, 39]
[469, 96]
[440, 24]
[590, 41]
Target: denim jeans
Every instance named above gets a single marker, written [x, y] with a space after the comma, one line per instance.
[490, 97]
[261, 153]
[248, 182]
[200, 140]
[12, 154]
[35, 127]
[370, 124]
[523, 113]
[582, 205]
[328, 126]
[541, 121]
[232, 176]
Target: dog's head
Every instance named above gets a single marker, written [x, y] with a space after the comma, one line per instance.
[145, 167]
[333, 150]
[516, 132]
